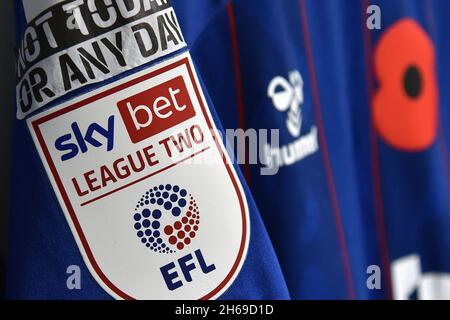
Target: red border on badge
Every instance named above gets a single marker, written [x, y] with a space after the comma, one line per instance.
[36, 123]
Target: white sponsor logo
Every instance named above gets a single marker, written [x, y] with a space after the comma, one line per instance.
[409, 281]
[287, 97]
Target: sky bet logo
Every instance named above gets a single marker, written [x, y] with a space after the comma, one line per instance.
[156, 110]
[145, 115]
[95, 136]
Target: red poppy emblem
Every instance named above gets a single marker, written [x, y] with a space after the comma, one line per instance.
[405, 105]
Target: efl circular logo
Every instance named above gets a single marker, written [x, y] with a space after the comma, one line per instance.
[166, 218]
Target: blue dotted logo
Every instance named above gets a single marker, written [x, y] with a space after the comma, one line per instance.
[166, 218]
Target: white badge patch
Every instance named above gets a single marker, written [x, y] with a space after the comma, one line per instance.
[155, 206]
